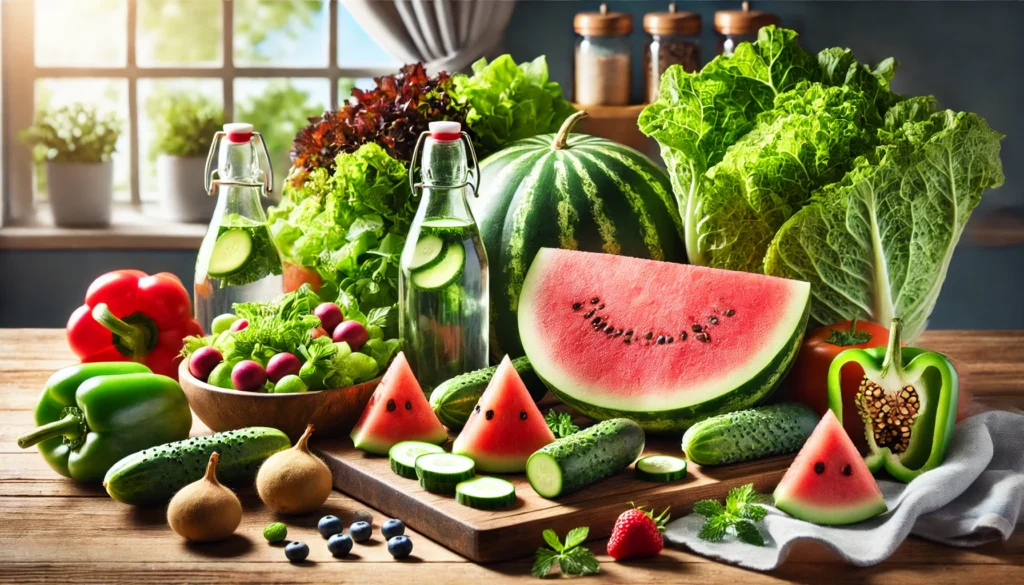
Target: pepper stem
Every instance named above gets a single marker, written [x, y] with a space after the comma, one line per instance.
[562, 137]
[894, 352]
[301, 444]
[211, 468]
[69, 426]
[130, 338]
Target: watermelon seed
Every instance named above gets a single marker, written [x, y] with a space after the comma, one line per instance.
[697, 328]
[629, 333]
[595, 321]
[609, 329]
[729, 313]
[490, 414]
[478, 408]
[391, 405]
[618, 332]
[649, 336]
[522, 416]
[589, 314]
[682, 336]
[847, 470]
[669, 340]
[577, 306]
[408, 405]
[628, 340]
[714, 320]
[661, 340]
[594, 301]
[704, 337]
[600, 307]
[819, 468]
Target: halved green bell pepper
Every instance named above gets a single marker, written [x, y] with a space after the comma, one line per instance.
[92, 415]
[908, 401]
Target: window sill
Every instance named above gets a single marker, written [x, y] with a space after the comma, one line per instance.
[132, 228]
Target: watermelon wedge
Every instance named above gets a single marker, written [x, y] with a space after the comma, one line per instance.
[828, 482]
[398, 411]
[505, 427]
[663, 344]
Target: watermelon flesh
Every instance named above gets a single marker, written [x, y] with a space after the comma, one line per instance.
[663, 344]
[398, 411]
[828, 482]
[505, 427]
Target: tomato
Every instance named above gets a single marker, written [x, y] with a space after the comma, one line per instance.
[296, 276]
[808, 380]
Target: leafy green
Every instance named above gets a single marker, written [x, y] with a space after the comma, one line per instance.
[572, 558]
[768, 147]
[741, 512]
[74, 133]
[560, 423]
[507, 102]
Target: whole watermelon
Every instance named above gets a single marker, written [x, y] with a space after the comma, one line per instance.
[570, 191]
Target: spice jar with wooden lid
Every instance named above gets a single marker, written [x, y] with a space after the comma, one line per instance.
[738, 26]
[673, 41]
[602, 58]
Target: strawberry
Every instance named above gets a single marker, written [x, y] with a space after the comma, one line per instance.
[637, 534]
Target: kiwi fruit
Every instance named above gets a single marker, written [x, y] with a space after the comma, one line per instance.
[294, 481]
[205, 510]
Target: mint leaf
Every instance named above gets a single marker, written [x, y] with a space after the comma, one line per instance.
[576, 537]
[740, 512]
[552, 539]
[579, 561]
[714, 529]
[748, 533]
[572, 558]
[709, 508]
[753, 512]
[546, 559]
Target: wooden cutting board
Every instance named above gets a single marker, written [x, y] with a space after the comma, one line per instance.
[486, 536]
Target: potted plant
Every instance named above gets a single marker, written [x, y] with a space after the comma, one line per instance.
[184, 125]
[76, 142]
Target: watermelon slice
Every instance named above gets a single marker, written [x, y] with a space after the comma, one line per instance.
[398, 411]
[663, 344]
[828, 482]
[505, 427]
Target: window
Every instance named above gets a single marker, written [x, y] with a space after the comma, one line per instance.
[273, 63]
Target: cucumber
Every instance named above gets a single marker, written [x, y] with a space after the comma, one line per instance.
[444, 468]
[429, 251]
[152, 476]
[439, 487]
[403, 456]
[230, 252]
[445, 272]
[660, 468]
[749, 434]
[486, 493]
[583, 458]
[454, 399]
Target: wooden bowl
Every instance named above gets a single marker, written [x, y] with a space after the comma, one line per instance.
[332, 412]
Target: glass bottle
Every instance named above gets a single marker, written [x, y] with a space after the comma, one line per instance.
[602, 58]
[740, 26]
[238, 261]
[673, 41]
[443, 297]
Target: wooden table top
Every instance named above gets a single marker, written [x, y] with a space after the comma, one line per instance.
[52, 529]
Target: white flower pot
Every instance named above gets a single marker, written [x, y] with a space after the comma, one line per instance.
[80, 193]
[182, 196]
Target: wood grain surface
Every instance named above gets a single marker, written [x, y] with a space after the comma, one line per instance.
[56, 531]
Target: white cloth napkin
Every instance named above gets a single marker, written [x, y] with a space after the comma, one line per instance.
[975, 497]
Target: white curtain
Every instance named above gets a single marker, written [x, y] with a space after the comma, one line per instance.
[444, 34]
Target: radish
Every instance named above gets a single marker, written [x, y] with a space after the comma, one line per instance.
[202, 362]
[248, 376]
[351, 332]
[330, 315]
[239, 325]
[282, 365]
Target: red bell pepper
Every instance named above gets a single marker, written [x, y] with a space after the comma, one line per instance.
[129, 315]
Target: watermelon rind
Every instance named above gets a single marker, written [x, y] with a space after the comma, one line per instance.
[735, 390]
[830, 515]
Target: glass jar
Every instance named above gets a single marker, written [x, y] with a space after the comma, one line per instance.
[740, 26]
[602, 61]
[673, 41]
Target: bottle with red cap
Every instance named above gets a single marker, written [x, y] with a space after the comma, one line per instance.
[443, 294]
[238, 261]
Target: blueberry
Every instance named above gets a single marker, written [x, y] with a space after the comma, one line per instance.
[296, 551]
[360, 531]
[339, 545]
[392, 527]
[329, 526]
[400, 546]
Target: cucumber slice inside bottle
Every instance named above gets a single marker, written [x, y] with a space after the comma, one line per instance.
[444, 468]
[445, 272]
[231, 251]
[403, 456]
[429, 251]
[486, 493]
[661, 468]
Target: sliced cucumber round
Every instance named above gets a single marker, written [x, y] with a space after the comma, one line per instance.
[449, 228]
[486, 493]
[403, 456]
[444, 468]
[445, 272]
[429, 251]
[231, 251]
[438, 487]
[661, 468]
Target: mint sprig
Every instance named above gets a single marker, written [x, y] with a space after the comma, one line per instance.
[741, 512]
[571, 557]
[560, 423]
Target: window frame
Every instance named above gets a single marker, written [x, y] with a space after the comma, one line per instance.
[17, 47]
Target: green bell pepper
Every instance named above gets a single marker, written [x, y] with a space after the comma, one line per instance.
[908, 401]
[92, 415]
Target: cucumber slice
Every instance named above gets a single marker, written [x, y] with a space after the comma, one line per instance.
[429, 251]
[486, 493]
[439, 487]
[447, 271]
[403, 456]
[446, 468]
[231, 251]
[660, 468]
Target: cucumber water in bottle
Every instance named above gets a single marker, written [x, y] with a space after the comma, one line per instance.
[238, 261]
[444, 322]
